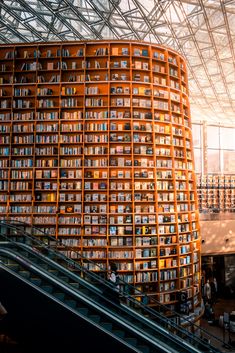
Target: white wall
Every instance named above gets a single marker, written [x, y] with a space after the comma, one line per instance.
[214, 234]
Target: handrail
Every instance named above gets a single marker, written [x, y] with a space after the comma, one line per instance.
[129, 325]
[125, 293]
[121, 319]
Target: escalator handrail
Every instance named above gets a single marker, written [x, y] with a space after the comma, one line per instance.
[59, 267]
[134, 289]
[97, 277]
[128, 325]
[164, 320]
[107, 283]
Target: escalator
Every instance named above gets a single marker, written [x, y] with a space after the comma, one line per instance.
[52, 299]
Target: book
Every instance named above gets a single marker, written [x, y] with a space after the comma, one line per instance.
[136, 52]
[114, 51]
[120, 209]
[120, 219]
[138, 65]
[125, 51]
[38, 174]
[112, 209]
[113, 241]
[87, 219]
[96, 174]
[50, 66]
[145, 66]
[112, 230]
[95, 186]
[94, 219]
[87, 209]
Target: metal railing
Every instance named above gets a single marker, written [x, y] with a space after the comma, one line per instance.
[16, 231]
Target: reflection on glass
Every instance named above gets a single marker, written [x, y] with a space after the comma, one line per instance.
[213, 136]
[213, 161]
[218, 140]
[227, 138]
[196, 132]
[228, 164]
[198, 160]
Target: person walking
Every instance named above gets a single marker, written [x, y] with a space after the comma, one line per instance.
[207, 292]
[113, 277]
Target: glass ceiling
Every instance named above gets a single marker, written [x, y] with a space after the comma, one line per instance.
[202, 31]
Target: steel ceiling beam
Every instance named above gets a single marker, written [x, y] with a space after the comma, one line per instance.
[184, 25]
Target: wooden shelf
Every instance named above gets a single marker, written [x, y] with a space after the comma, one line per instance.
[96, 148]
[216, 193]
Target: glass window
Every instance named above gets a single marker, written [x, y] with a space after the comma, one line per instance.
[196, 132]
[228, 161]
[213, 161]
[213, 136]
[227, 138]
[198, 160]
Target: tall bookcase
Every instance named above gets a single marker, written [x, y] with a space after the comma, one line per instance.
[216, 193]
[96, 149]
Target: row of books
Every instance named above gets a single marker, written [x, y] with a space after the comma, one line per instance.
[89, 52]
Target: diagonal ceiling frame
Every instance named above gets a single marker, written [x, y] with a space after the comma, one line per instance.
[201, 30]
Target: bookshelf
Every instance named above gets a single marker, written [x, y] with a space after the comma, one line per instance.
[216, 193]
[96, 149]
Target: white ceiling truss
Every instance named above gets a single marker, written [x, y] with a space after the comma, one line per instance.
[202, 31]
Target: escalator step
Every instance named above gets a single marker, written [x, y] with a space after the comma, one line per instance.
[107, 325]
[138, 324]
[63, 278]
[47, 288]
[53, 272]
[33, 259]
[150, 331]
[95, 318]
[36, 281]
[44, 266]
[70, 302]
[14, 267]
[74, 284]
[83, 311]
[119, 333]
[20, 239]
[144, 349]
[25, 274]
[85, 291]
[28, 242]
[132, 341]
[24, 253]
[59, 295]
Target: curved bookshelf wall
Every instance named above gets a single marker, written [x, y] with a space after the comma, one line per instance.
[96, 148]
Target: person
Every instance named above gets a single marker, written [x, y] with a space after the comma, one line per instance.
[216, 286]
[145, 299]
[113, 276]
[207, 292]
[213, 291]
[113, 293]
[209, 313]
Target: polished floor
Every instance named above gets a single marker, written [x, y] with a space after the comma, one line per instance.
[216, 329]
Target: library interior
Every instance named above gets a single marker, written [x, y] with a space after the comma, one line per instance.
[117, 176]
